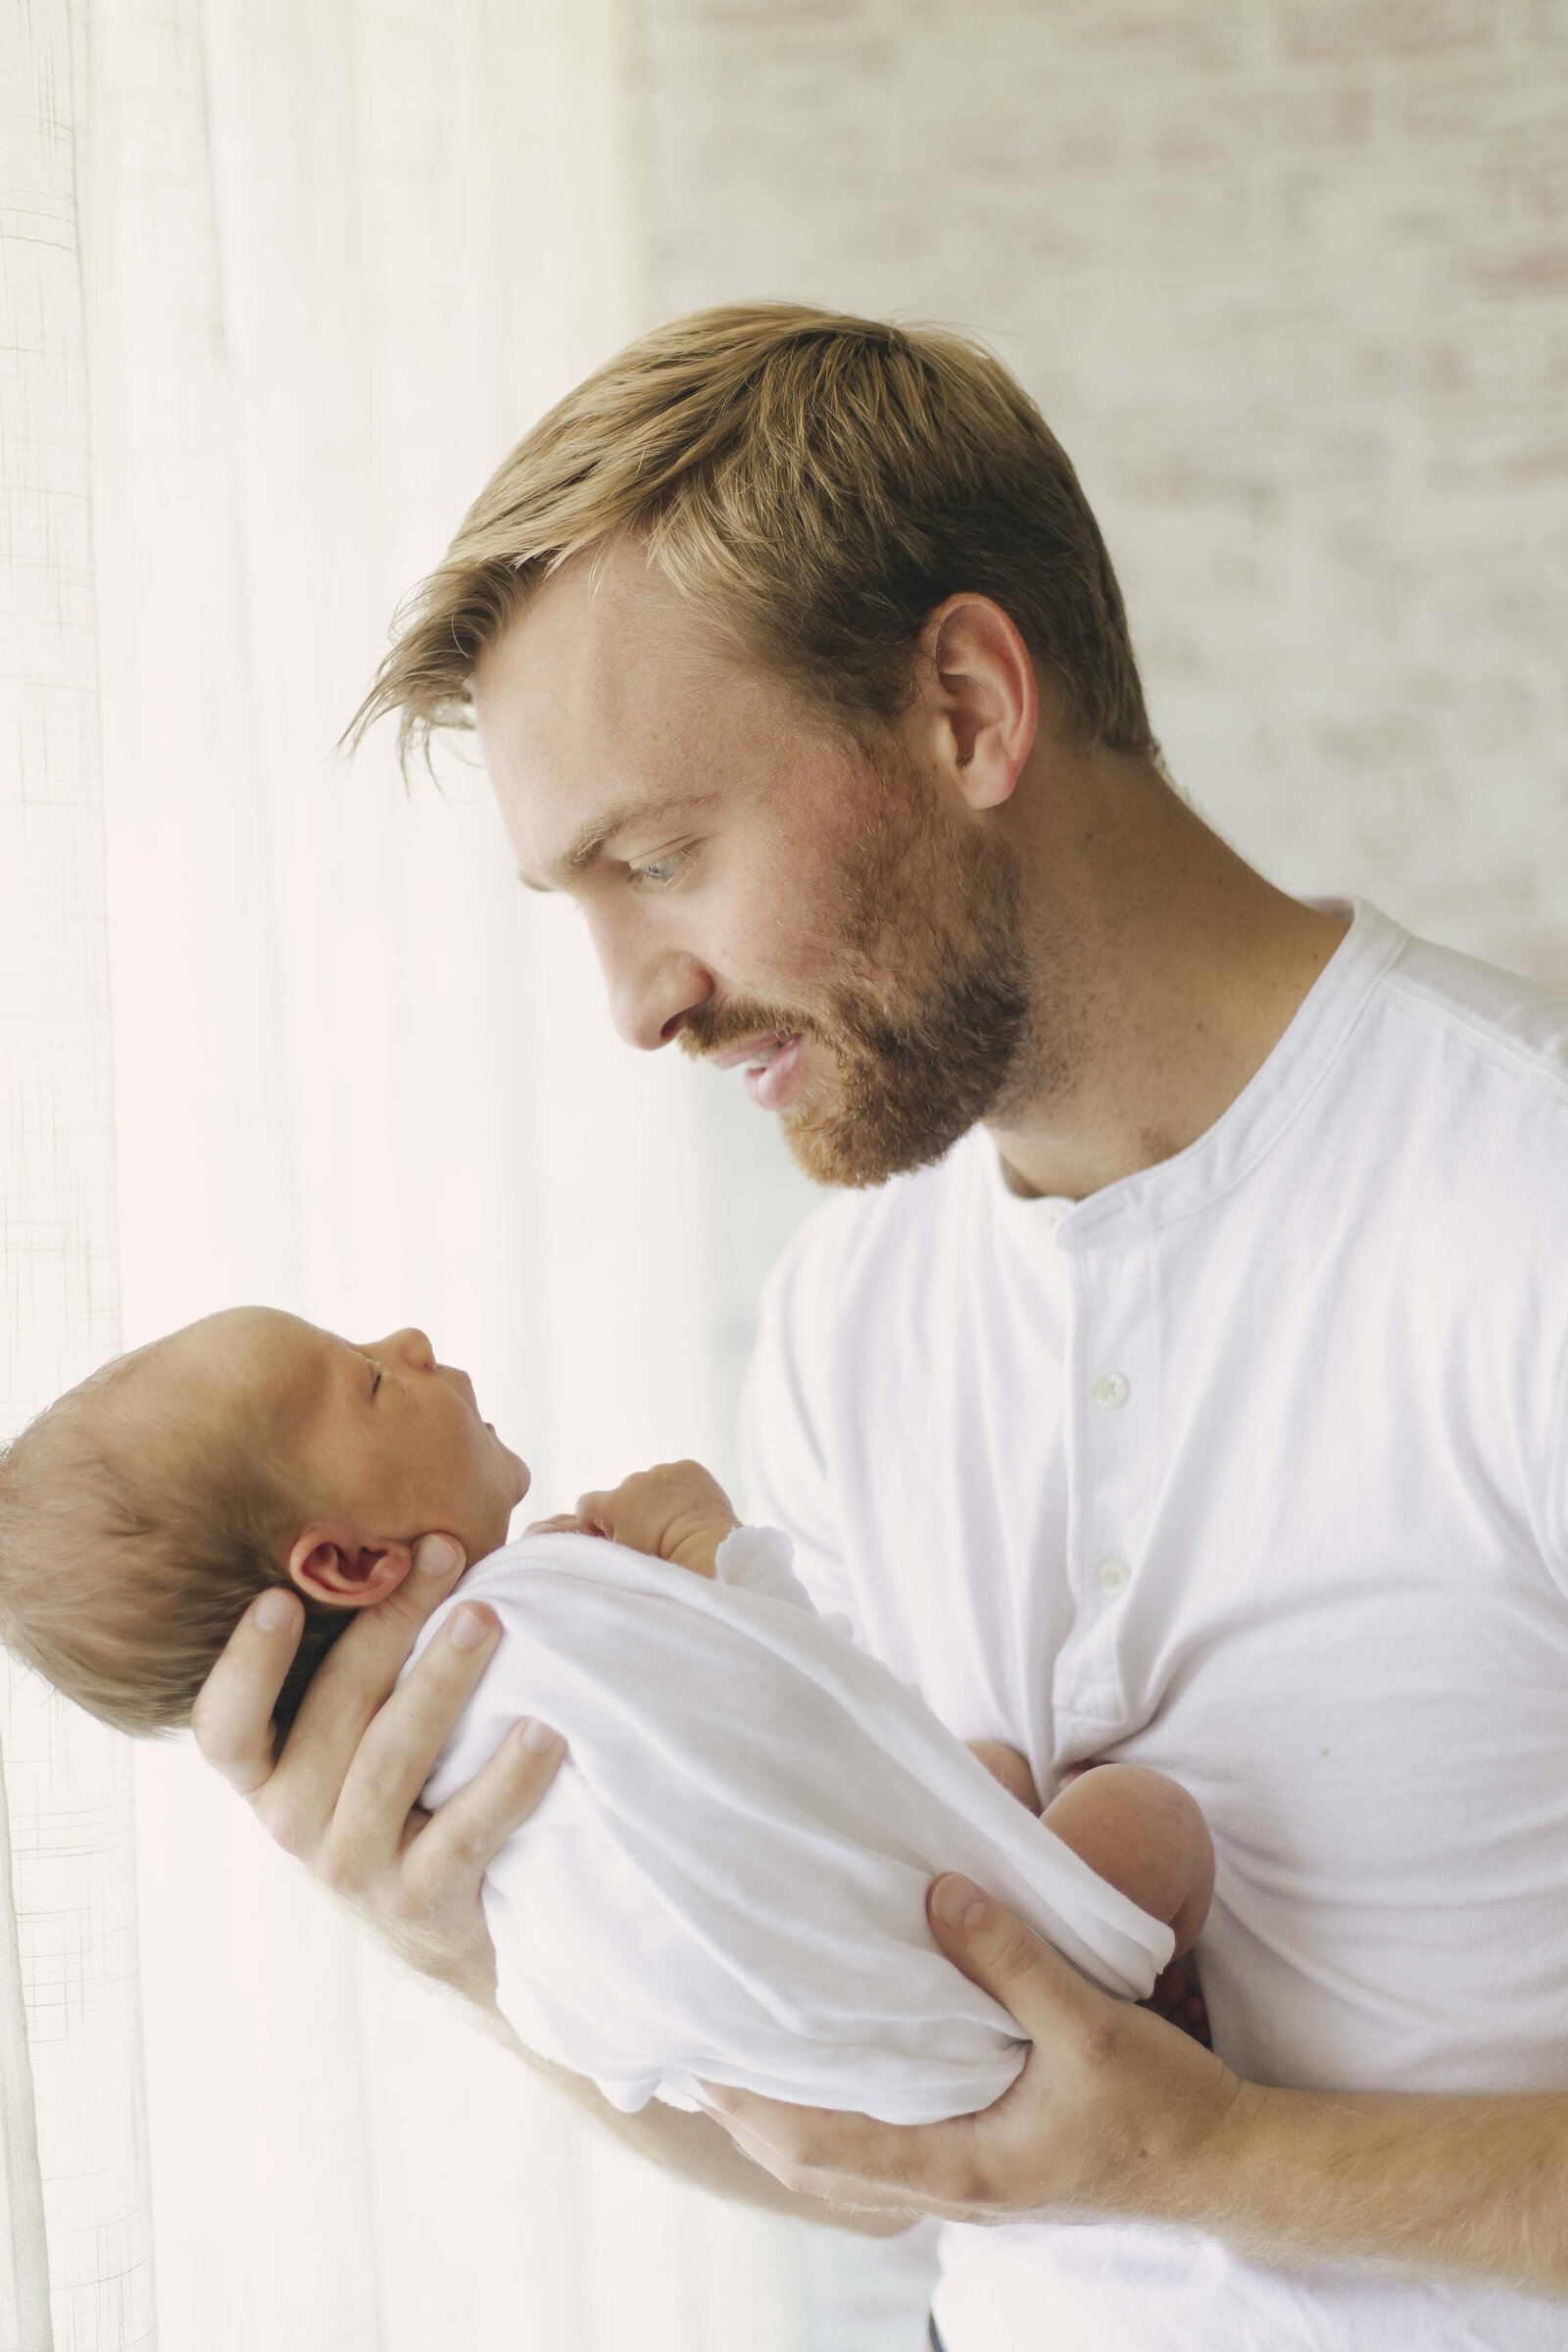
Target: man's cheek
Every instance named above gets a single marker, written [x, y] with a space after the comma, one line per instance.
[769, 971]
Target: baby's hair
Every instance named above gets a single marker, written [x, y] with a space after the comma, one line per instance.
[129, 1550]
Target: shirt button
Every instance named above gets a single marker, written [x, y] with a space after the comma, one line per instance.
[1052, 1212]
[1111, 1575]
[1112, 1389]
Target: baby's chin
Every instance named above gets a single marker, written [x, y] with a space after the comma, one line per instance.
[517, 1483]
[521, 1475]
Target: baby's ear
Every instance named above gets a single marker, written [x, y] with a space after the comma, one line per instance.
[335, 1565]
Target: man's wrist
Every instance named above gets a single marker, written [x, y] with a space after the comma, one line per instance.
[1196, 2183]
[470, 1972]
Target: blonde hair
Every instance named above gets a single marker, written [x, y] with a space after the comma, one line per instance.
[125, 1565]
[816, 484]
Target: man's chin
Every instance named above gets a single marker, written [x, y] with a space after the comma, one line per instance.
[850, 1154]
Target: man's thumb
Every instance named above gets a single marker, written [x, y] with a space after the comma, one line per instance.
[957, 1902]
[997, 1951]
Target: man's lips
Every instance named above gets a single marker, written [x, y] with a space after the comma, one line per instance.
[778, 1084]
[755, 1049]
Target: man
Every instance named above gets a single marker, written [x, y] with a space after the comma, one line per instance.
[1178, 1375]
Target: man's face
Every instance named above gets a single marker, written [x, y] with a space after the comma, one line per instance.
[777, 884]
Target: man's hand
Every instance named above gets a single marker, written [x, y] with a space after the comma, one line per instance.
[676, 1511]
[1110, 2103]
[340, 1796]
[1116, 2117]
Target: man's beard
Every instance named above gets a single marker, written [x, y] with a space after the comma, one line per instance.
[935, 1031]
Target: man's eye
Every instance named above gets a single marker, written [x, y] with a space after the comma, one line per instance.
[662, 870]
[375, 1383]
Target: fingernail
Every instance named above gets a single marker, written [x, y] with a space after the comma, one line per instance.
[273, 1611]
[437, 1555]
[469, 1629]
[960, 1902]
[538, 1736]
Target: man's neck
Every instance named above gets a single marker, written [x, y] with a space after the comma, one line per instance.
[1186, 969]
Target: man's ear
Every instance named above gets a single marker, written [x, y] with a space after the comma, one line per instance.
[984, 696]
[332, 1564]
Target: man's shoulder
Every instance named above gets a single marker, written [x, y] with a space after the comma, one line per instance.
[1488, 1019]
[1459, 1111]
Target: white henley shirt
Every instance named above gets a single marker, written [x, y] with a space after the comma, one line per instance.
[1251, 1467]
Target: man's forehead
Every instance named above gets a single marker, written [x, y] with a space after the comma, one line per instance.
[599, 706]
[598, 644]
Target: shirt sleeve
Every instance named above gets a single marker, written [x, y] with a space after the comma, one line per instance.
[786, 1472]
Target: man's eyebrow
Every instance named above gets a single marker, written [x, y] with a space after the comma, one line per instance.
[601, 831]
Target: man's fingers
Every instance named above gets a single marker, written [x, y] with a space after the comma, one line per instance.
[233, 1716]
[998, 1952]
[357, 1671]
[457, 1844]
[852, 2159]
[393, 1759]
[350, 1684]
[851, 2194]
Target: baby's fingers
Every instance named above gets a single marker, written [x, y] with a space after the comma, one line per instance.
[603, 1513]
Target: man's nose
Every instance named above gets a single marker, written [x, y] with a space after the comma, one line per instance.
[650, 994]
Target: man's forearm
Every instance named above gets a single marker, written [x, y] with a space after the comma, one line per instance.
[1470, 2187]
[692, 2146]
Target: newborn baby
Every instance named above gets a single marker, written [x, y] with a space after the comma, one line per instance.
[725, 1880]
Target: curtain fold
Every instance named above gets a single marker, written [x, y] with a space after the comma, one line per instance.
[24, 2314]
[72, 2149]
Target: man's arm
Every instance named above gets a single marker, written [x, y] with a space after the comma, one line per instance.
[1115, 2117]
[1471, 2186]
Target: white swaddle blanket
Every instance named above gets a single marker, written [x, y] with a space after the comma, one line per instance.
[726, 1878]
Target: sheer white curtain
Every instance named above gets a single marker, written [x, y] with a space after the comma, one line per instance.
[75, 2244]
[319, 266]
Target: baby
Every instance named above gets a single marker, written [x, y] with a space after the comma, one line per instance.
[142, 1512]
[1136, 1829]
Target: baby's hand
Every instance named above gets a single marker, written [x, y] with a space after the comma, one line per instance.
[676, 1511]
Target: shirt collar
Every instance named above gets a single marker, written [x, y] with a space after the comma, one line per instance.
[1242, 1133]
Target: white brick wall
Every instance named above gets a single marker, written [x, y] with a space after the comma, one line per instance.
[1289, 281]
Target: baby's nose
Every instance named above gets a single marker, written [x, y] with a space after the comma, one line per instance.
[413, 1347]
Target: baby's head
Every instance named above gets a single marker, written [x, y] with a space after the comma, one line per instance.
[145, 1509]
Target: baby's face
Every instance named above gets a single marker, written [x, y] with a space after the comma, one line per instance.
[380, 1438]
